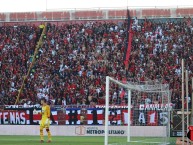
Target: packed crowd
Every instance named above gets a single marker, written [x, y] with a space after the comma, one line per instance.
[74, 60]
[17, 45]
[70, 67]
[157, 50]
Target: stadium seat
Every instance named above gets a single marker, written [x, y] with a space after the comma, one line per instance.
[47, 15]
[13, 17]
[156, 13]
[118, 14]
[2, 17]
[88, 14]
[180, 12]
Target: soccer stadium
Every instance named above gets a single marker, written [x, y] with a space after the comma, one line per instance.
[96, 72]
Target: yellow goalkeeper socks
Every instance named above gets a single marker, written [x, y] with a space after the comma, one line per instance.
[41, 133]
[49, 133]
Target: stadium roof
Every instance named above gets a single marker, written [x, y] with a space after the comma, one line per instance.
[55, 5]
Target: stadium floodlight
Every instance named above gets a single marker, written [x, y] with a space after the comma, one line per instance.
[147, 122]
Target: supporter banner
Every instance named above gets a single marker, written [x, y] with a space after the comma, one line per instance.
[13, 117]
[37, 117]
[146, 115]
[155, 106]
[114, 116]
[21, 106]
[142, 106]
[152, 118]
[94, 116]
[125, 117]
[23, 117]
[73, 116]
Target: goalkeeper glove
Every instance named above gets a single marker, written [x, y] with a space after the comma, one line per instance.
[46, 122]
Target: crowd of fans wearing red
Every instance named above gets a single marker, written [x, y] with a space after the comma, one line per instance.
[75, 59]
[17, 44]
[157, 50]
[71, 66]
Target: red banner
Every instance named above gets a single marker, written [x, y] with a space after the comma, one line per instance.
[152, 119]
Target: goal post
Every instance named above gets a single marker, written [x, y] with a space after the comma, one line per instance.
[129, 110]
[107, 110]
[136, 88]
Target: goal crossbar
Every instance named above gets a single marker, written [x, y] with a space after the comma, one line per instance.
[144, 88]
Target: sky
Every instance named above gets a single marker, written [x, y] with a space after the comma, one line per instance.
[54, 5]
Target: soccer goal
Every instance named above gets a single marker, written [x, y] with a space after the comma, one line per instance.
[137, 113]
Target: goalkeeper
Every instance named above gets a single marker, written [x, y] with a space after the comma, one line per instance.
[45, 121]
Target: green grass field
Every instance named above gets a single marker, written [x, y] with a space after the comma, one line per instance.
[63, 140]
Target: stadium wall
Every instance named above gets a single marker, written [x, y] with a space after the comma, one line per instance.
[97, 14]
[57, 23]
[143, 131]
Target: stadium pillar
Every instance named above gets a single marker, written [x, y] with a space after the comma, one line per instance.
[183, 126]
[107, 110]
[129, 117]
[192, 105]
[187, 100]
[187, 106]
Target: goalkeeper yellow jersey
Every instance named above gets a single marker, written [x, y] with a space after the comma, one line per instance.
[45, 112]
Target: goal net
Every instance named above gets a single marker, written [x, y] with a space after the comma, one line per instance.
[136, 113]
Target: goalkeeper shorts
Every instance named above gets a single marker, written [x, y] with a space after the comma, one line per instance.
[43, 123]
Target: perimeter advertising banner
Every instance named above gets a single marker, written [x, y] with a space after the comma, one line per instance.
[86, 130]
[146, 115]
